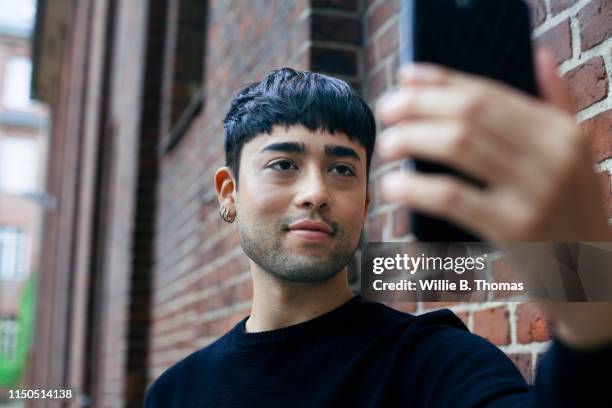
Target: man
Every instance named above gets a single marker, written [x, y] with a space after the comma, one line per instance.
[298, 149]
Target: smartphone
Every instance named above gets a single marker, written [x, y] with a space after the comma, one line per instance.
[491, 38]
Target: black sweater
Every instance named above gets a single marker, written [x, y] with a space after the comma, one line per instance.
[365, 354]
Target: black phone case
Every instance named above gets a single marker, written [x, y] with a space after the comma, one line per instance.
[490, 38]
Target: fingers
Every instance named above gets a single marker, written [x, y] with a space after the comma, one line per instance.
[423, 73]
[497, 215]
[441, 103]
[441, 196]
[553, 88]
[429, 90]
[527, 151]
[455, 144]
[495, 113]
[433, 74]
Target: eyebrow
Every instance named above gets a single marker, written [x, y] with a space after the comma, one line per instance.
[293, 147]
[341, 151]
[288, 147]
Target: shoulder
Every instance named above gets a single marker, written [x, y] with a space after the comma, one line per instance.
[171, 383]
[442, 347]
[160, 392]
[427, 332]
[453, 364]
[438, 336]
[443, 331]
[379, 313]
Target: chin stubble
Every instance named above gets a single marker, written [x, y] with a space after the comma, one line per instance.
[267, 251]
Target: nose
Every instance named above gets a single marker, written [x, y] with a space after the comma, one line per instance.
[313, 191]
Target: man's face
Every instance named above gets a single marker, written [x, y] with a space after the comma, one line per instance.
[301, 202]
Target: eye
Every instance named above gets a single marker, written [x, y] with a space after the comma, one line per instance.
[283, 165]
[343, 170]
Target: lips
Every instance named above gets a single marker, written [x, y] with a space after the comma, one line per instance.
[311, 230]
[311, 225]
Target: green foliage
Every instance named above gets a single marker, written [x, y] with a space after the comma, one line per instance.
[12, 370]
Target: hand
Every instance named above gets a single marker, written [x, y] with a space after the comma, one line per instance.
[531, 153]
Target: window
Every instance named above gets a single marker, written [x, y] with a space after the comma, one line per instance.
[188, 55]
[18, 165]
[9, 330]
[18, 13]
[184, 65]
[17, 77]
[13, 253]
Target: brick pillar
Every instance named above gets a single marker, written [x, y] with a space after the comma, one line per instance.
[335, 51]
[144, 217]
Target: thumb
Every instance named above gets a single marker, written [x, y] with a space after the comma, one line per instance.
[552, 87]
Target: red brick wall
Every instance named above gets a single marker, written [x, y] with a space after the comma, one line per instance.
[579, 34]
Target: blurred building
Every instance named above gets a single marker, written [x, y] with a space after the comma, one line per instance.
[23, 146]
[139, 270]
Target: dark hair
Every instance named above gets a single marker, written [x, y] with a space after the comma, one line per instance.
[289, 97]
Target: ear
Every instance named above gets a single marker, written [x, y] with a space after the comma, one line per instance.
[225, 186]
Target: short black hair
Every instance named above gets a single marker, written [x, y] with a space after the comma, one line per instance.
[288, 97]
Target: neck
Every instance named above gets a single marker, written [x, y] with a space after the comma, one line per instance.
[278, 304]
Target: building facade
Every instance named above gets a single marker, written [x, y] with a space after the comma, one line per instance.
[23, 144]
[139, 269]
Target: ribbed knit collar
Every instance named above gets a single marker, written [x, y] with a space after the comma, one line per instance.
[331, 319]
